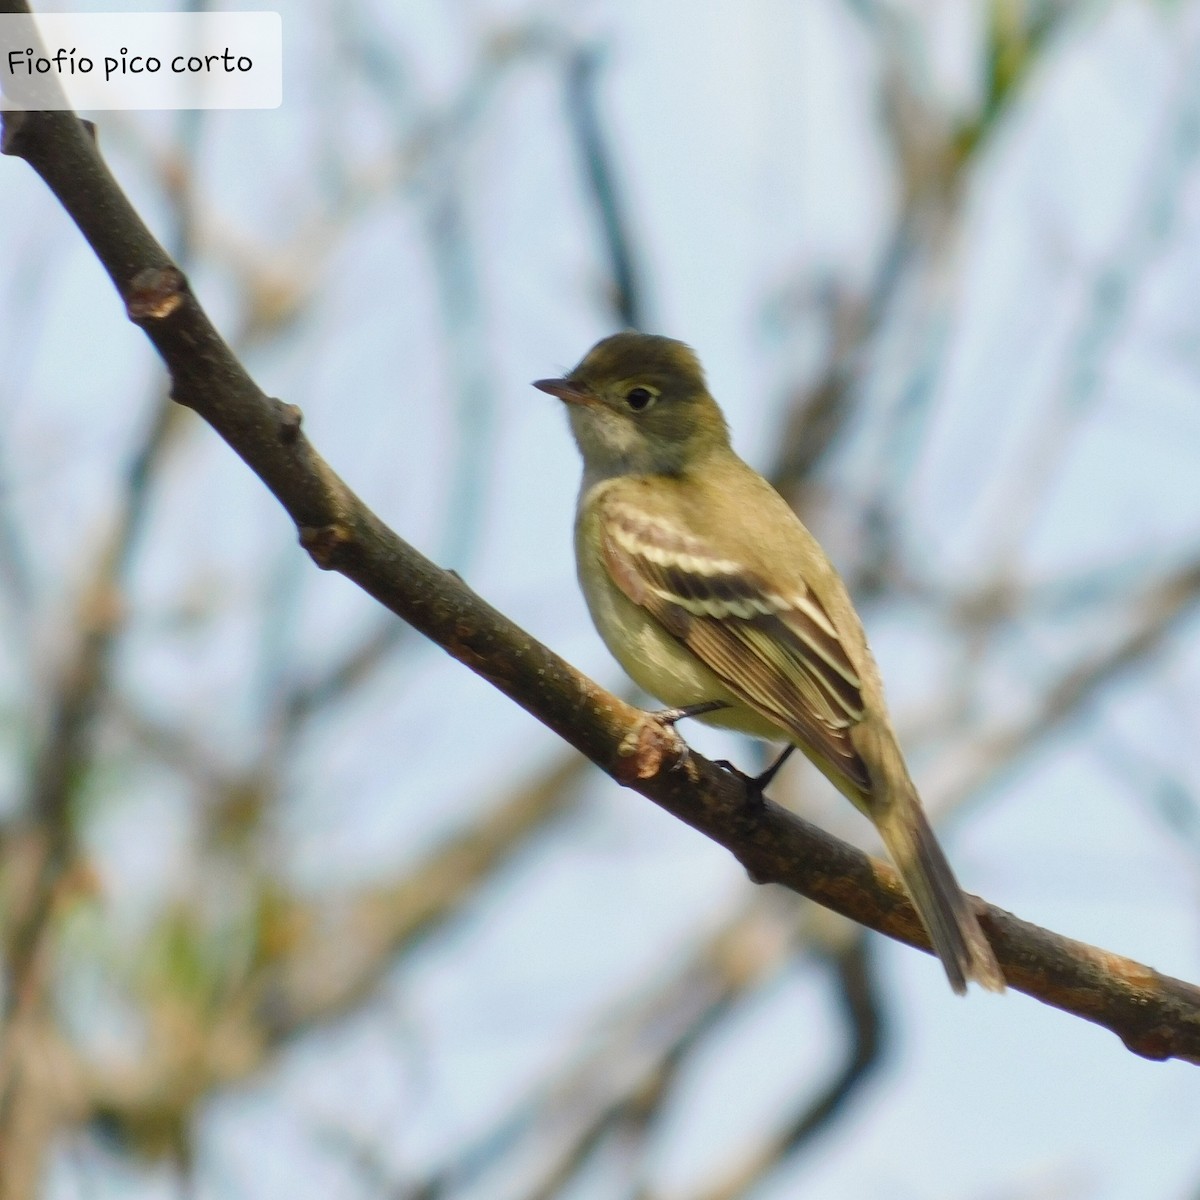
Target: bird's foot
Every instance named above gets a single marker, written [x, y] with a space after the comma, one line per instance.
[756, 785]
[656, 738]
[672, 716]
[668, 718]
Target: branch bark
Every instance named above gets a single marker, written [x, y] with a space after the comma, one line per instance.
[1154, 1015]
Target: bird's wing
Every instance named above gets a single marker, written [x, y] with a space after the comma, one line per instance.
[779, 653]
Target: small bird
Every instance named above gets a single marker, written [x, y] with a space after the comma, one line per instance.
[712, 595]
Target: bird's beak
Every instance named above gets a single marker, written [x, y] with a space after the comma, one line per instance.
[566, 390]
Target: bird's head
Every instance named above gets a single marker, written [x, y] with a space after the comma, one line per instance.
[639, 405]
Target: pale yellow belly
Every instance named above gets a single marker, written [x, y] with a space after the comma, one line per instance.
[660, 664]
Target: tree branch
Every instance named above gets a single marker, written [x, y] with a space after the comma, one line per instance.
[600, 178]
[858, 993]
[1154, 1015]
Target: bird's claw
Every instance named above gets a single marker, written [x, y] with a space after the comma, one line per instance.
[756, 785]
[672, 716]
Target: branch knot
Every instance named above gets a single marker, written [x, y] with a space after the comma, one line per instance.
[324, 542]
[290, 419]
[645, 748]
[154, 294]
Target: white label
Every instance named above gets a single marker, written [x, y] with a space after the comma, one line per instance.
[134, 60]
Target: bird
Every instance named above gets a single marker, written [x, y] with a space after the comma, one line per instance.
[717, 600]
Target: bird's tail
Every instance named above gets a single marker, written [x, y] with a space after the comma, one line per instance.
[944, 910]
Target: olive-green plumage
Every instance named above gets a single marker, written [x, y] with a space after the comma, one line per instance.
[706, 586]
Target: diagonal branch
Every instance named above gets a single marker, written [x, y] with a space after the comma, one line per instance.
[1154, 1015]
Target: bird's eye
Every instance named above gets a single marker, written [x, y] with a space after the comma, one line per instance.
[639, 398]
